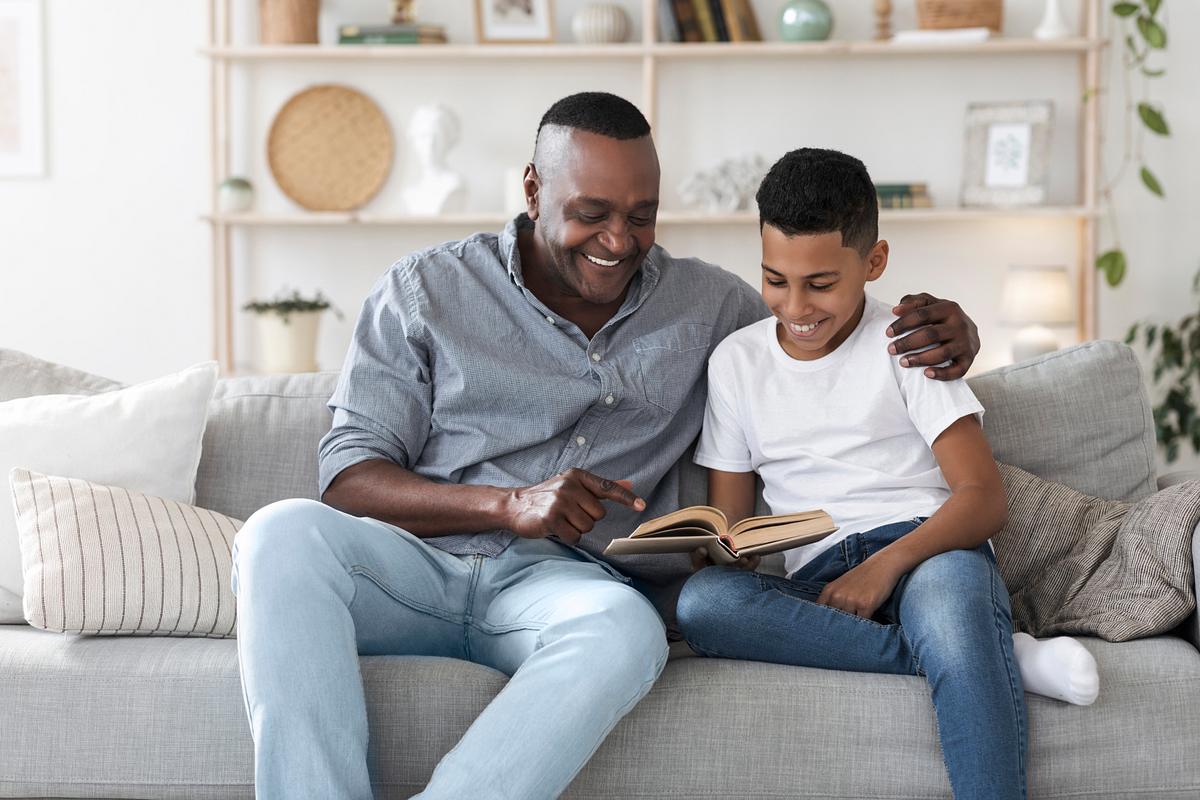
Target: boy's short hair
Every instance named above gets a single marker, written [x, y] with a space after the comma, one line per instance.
[597, 112]
[814, 191]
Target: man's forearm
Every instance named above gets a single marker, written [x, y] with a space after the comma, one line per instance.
[384, 491]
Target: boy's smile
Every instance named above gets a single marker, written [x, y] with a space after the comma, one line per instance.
[814, 287]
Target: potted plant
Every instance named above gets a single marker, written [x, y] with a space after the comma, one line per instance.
[286, 330]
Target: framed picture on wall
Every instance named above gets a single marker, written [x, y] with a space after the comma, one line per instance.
[1007, 153]
[514, 21]
[22, 99]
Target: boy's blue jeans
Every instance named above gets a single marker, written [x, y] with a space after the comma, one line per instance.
[316, 588]
[948, 620]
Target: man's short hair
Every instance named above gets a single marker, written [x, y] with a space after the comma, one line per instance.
[814, 191]
[597, 112]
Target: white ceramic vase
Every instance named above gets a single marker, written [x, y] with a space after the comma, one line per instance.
[600, 23]
[1052, 26]
[289, 346]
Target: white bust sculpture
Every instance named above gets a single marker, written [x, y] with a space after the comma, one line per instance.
[433, 131]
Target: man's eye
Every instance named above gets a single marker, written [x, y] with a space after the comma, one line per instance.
[591, 218]
[640, 220]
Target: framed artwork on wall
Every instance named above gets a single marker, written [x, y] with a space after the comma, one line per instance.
[22, 98]
[1006, 153]
[514, 21]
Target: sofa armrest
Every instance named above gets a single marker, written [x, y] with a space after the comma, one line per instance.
[1190, 629]
[1172, 478]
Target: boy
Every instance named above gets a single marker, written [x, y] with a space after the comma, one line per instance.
[810, 401]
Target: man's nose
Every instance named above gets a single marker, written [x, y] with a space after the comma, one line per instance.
[617, 237]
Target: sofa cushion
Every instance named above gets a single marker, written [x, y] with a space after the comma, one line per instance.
[23, 375]
[145, 437]
[103, 559]
[261, 441]
[1078, 416]
[798, 733]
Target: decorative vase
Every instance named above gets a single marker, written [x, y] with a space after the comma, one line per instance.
[600, 23]
[805, 21]
[288, 21]
[235, 195]
[288, 344]
[1052, 25]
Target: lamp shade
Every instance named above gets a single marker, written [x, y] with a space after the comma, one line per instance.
[1037, 295]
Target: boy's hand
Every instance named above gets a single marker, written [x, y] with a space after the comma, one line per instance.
[862, 590]
[567, 505]
[936, 322]
[700, 560]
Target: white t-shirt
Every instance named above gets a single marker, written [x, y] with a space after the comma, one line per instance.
[849, 432]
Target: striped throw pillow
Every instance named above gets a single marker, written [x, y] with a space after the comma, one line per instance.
[103, 560]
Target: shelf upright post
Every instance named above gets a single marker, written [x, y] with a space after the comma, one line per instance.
[649, 67]
[1089, 170]
[219, 37]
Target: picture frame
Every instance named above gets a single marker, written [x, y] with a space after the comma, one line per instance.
[1006, 153]
[514, 21]
[22, 90]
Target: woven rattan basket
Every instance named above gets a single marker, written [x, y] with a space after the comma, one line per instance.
[937, 14]
[330, 148]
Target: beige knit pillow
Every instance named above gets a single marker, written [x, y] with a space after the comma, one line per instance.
[103, 560]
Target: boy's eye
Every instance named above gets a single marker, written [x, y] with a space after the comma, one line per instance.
[820, 287]
[776, 283]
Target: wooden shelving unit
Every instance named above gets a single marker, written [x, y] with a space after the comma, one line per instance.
[223, 56]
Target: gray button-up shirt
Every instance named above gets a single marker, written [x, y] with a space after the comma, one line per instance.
[460, 374]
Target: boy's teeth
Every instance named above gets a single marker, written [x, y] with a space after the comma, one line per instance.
[804, 328]
[601, 261]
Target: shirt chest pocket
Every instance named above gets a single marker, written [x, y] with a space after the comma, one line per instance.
[671, 361]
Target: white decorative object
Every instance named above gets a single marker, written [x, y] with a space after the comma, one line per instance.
[288, 343]
[512, 21]
[235, 195]
[22, 90]
[143, 564]
[728, 187]
[433, 132]
[1007, 153]
[1035, 297]
[1052, 26]
[145, 438]
[600, 23]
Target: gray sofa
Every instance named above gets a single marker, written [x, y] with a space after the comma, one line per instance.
[138, 717]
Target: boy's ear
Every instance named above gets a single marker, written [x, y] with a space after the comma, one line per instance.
[877, 260]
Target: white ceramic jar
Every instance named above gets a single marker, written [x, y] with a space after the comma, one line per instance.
[600, 23]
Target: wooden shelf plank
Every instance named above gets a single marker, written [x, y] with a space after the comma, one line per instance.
[490, 221]
[309, 52]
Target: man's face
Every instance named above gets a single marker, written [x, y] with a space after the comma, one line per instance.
[814, 287]
[595, 200]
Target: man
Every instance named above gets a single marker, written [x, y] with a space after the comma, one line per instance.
[510, 404]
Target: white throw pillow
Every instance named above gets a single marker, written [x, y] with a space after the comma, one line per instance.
[104, 560]
[145, 438]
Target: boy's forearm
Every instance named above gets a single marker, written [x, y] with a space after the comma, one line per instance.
[965, 521]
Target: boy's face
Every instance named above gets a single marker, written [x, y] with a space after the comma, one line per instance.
[814, 287]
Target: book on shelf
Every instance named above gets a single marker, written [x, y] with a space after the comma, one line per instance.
[708, 21]
[708, 26]
[740, 20]
[694, 527]
[391, 34]
[944, 36]
[668, 26]
[903, 195]
[687, 21]
[718, 15]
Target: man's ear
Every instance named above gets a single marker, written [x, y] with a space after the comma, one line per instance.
[532, 186]
[877, 260]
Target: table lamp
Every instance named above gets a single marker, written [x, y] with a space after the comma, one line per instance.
[1035, 297]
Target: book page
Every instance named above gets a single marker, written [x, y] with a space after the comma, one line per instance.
[710, 519]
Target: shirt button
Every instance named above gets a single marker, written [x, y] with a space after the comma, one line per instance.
[595, 356]
[579, 440]
[608, 400]
[550, 320]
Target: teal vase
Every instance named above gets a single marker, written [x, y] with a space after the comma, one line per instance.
[805, 21]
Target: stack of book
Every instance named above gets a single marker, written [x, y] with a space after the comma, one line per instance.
[903, 195]
[707, 21]
[392, 34]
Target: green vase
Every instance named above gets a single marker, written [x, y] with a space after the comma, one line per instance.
[805, 21]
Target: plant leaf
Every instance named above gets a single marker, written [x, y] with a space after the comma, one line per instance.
[1132, 334]
[1153, 118]
[1125, 9]
[1112, 264]
[1152, 6]
[1152, 182]
[1151, 335]
[1152, 32]
[1154, 73]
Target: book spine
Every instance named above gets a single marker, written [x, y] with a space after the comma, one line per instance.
[704, 15]
[749, 21]
[668, 26]
[719, 24]
[685, 18]
[733, 22]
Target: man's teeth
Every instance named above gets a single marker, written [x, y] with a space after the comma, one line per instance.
[804, 328]
[601, 261]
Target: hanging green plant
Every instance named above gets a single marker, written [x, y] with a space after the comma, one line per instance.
[1143, 30]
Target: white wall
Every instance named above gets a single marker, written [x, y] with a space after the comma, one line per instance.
[104, 264]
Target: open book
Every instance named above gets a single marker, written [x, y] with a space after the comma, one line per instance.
[704, 526]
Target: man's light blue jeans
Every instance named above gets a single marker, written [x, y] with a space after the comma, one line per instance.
[316, 588]
[949, 620]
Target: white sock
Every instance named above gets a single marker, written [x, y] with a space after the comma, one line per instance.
[1060, 668]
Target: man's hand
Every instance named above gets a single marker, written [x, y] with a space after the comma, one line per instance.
[862, 590]
[566, 506]
[700, 560]
[934, 322]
